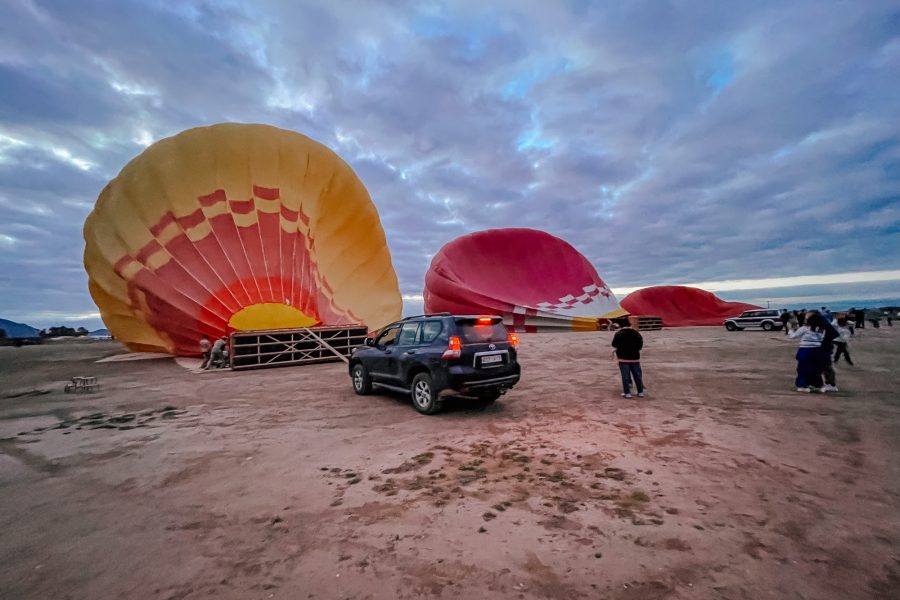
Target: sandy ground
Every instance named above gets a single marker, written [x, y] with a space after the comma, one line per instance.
[723, 483]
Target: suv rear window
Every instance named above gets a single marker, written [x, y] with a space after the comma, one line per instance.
[475, 334]
[430, 331]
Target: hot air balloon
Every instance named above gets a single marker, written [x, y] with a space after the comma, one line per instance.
[682, 306]
[235, 227]
[536, 281]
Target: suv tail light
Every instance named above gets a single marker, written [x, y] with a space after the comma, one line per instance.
[513, 340]
[454, 348]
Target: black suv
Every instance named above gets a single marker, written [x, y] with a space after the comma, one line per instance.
[432, 355]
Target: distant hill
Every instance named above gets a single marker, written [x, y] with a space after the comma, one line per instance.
[18, 330]
[99, 333]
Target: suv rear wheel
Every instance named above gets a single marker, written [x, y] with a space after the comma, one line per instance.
[424, 398]
[362, 383]
[767, 326]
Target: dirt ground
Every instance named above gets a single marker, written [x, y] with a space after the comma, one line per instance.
[723, 482]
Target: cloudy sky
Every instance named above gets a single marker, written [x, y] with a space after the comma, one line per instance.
[670, 142]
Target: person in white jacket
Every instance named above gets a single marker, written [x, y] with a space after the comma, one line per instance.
[842, 342]
[809, 363]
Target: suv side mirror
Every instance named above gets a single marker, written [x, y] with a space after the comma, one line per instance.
[370, 341]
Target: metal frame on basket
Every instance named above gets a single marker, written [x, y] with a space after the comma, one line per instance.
[283, 347]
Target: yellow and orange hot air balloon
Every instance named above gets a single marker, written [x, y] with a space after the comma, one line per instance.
[235, 227]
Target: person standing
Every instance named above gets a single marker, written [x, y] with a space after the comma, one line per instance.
[842, 342]
[809, 367]
[794, 322]
[859, 316]
[785, 320]
[873, 316]
[628, 344]
[204, 350]
[826, 349]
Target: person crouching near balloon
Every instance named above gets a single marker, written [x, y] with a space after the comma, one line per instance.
[217, 357]
[628, 344]
[204, 350]
[809, 355]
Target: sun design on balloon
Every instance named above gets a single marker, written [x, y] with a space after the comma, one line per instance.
[239, 238]
[175, 251]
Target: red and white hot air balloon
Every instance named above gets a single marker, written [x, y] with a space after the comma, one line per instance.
[536, 281]
[683, 306]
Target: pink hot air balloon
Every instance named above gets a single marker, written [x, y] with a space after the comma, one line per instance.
[682, 306]
[536, 281]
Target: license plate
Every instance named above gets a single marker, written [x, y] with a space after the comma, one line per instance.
[495, 358]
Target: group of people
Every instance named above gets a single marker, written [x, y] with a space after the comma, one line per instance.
[855, 317]
[824, 339]
[792, 319]
[873, 316]
[215, 355]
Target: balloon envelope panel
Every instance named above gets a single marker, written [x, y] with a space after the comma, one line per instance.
[235, 226]
[683, 306]
[534, 280]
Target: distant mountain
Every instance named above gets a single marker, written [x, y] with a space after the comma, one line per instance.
[18, 330]
[99, 333]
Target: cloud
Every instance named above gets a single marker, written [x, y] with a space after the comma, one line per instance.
[668, 142]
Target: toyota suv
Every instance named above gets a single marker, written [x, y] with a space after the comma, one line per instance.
[431, 356]
[767, 319]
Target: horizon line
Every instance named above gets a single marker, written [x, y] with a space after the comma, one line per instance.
[727, 285]
[724, 285]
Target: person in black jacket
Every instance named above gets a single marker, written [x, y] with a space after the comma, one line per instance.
[628, 344]
[785, 317]
[830, 333]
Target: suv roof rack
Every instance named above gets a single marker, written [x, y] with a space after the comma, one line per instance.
[440, 314]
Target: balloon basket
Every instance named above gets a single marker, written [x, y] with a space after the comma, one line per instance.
[262, 349]
[645, 322]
